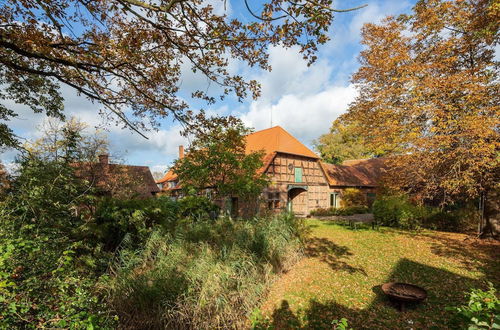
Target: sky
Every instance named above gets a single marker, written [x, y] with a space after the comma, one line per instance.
[303, 100]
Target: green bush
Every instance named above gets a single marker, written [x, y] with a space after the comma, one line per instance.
[353, 197]
[343, 211]
[398, 211]
[482, 311]
[48, 269]
[207, 274]
[197, 207]
[115, 218]
[442, 220]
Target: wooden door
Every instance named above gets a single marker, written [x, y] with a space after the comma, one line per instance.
[298, 200]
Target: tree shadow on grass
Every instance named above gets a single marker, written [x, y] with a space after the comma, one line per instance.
[444, 289]
[472, 253]
[331, 254]
[317, 316]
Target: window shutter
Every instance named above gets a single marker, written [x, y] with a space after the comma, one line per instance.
[298, 174]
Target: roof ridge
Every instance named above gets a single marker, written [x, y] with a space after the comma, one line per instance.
[265, 129]
[128, 165]
[360, 159]
[293, 137]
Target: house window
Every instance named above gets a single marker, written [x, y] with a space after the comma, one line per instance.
[298, 174]
[273, 200]
[370, 198]
[333, 199]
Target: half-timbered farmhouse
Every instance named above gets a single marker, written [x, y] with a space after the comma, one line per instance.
[299, 180]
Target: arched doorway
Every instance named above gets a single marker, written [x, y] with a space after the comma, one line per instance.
[297, 200]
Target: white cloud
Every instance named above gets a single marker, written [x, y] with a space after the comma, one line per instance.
[290, 74]
[304, 117]
[10, 166]
[159, 169]
[302, 99]
[346, 29]
[221, 7]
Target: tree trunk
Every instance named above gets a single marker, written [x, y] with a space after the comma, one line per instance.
[490, 224]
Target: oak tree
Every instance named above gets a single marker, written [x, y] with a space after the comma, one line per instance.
[429, 94]
[127, 55]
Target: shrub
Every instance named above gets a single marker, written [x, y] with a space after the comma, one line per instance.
[343, 211]
[482, 311]
[455, 218]
[323, 212]
[116, 218]
[355, 210]
[207, 274]
[197, 207]
[48, 269]
[353, 197]
[442, 220]
[398, 211]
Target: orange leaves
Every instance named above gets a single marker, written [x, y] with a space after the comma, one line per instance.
[429, 94]
[127, 54]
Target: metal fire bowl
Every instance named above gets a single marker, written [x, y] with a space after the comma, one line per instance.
[404, 292]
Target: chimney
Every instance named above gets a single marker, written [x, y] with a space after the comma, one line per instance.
[181, 151]
[104, 159]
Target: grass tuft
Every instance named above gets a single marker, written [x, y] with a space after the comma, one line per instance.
[205, 275]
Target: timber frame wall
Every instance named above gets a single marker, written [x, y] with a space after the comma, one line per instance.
[281, 173]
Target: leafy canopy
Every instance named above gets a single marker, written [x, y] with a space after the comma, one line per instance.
[217, 159]
[127, 55]
[429, 94]
[343, 142]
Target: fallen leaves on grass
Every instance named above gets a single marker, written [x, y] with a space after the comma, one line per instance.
[343, 270]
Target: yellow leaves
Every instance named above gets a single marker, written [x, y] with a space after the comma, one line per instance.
[426, 93]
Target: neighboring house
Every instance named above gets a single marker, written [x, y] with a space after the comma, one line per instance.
[116, 180]
[170, 182]
[299, 180]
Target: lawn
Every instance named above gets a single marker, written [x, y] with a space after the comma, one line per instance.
[344, 268]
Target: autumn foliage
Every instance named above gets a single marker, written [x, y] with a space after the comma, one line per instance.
[429, 96]
[129, 56]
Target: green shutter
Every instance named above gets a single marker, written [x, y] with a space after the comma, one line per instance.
[298, 174]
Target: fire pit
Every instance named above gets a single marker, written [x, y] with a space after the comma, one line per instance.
[403, 293]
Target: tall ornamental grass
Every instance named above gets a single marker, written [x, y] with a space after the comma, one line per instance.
[204, 275]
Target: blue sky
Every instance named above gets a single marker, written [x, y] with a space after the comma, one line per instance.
[303, 100]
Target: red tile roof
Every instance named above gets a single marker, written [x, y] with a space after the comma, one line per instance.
[356, 172]
[138, 178]
[169, 176]
[276, 139]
